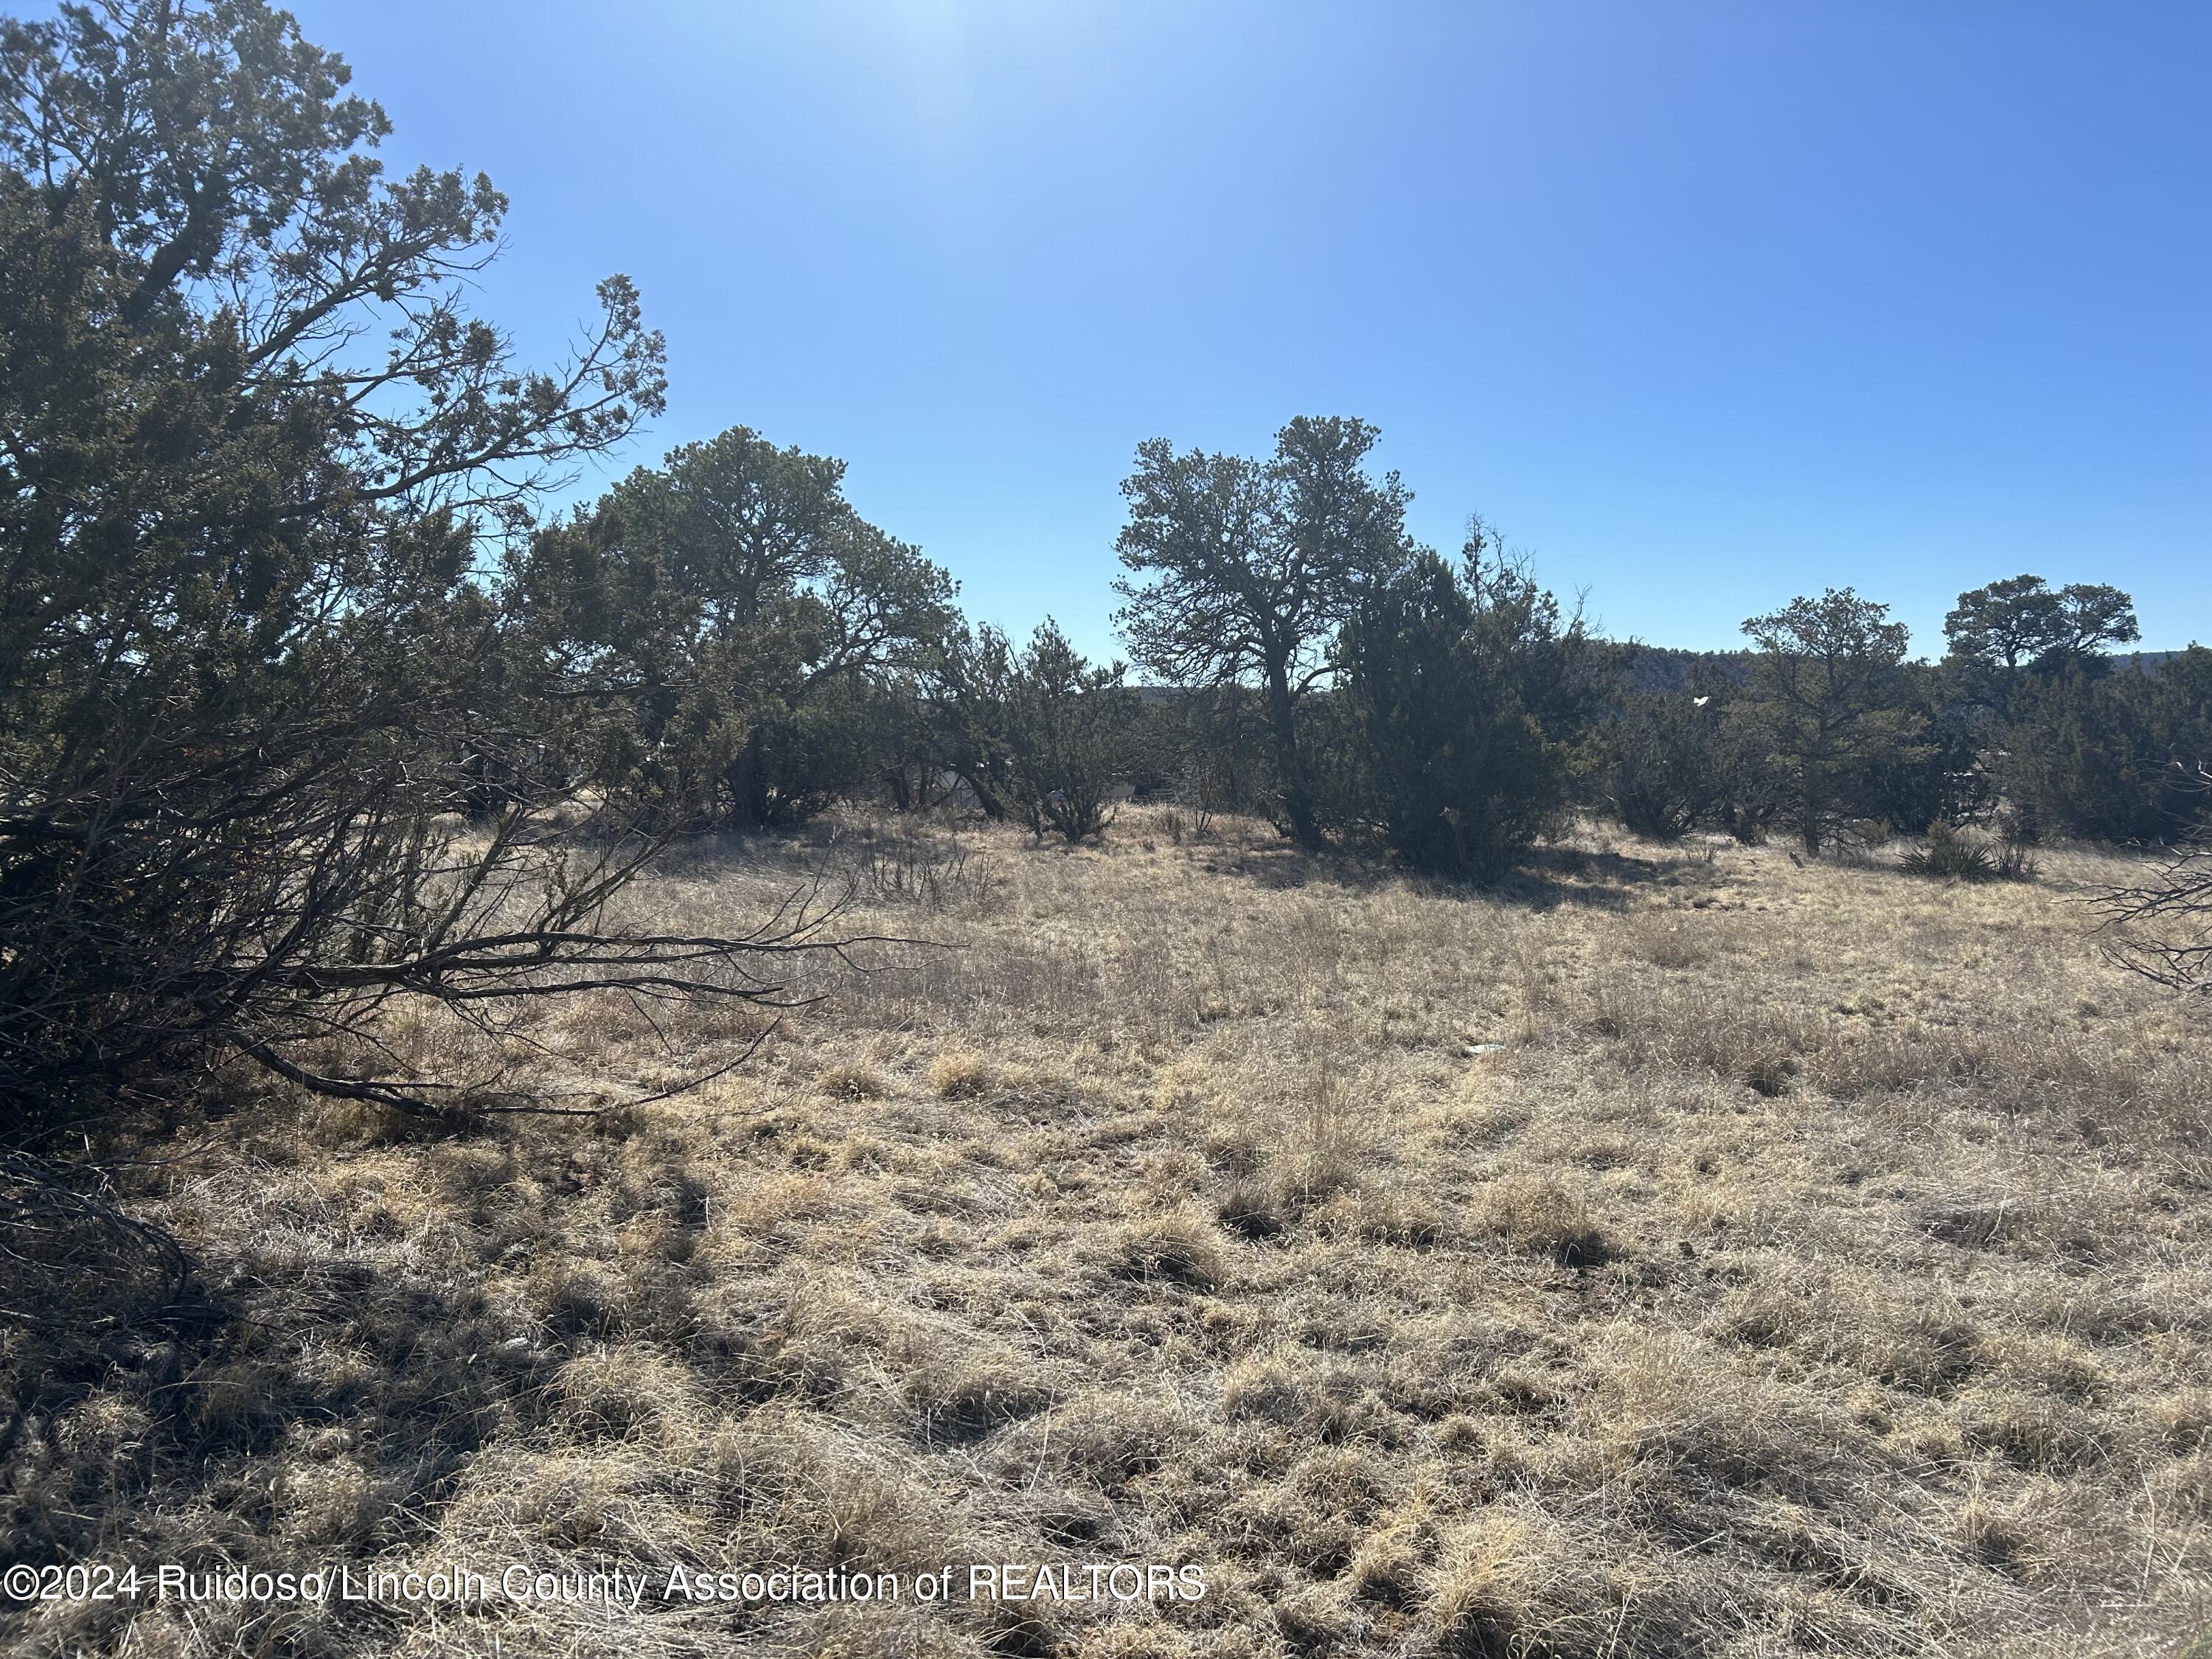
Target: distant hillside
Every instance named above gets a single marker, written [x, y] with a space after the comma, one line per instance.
[2142, 662]
[1664, 668]
[1667, 668]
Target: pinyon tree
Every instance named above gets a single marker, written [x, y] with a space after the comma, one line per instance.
[1241, 571]
[739, 613]
[1824, 702]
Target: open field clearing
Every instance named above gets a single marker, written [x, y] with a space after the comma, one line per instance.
[1680, 1251]
[609, 1044]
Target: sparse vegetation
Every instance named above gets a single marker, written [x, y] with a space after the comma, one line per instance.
[1823, 1272]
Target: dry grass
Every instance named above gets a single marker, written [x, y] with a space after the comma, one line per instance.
[1679, 1253]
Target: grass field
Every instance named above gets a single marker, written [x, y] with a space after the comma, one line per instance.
[1681, 1251]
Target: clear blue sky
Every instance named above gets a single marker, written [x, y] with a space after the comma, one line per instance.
[1706, 304]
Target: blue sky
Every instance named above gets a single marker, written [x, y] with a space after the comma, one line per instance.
[1706, 305]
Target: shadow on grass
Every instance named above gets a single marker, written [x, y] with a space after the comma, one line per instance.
[1542, 879]
[955, 863]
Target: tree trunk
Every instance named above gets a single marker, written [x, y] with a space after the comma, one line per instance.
[1289, 775]
[747, 781]
[987, 795]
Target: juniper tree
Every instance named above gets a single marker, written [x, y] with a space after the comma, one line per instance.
[1070, 727]
[252, 443]
[1468, 694]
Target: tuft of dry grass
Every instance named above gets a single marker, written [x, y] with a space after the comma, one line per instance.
[1537, 1213]
[959, 1073]
[1181, 1248]
[848, 1081]
[1678, 1250]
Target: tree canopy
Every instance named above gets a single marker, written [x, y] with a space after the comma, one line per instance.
[252, 443]
[1823, 699]
[1241, 570]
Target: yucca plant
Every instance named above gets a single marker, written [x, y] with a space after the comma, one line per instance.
[1946, 852]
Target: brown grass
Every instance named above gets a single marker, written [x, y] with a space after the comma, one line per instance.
[1819, 1264]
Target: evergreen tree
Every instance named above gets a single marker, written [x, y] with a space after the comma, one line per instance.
[1469, 696]
[247, 669]
[1241, 571]
[2023, 627]
[1070, 732]
[2114, 757]
[1826, 707]
[752, 617]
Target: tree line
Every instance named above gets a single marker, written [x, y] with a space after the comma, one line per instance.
[307, 707]
[765, 653]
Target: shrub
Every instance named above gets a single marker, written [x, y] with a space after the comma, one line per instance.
[1663, 764]
[1948, 853]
